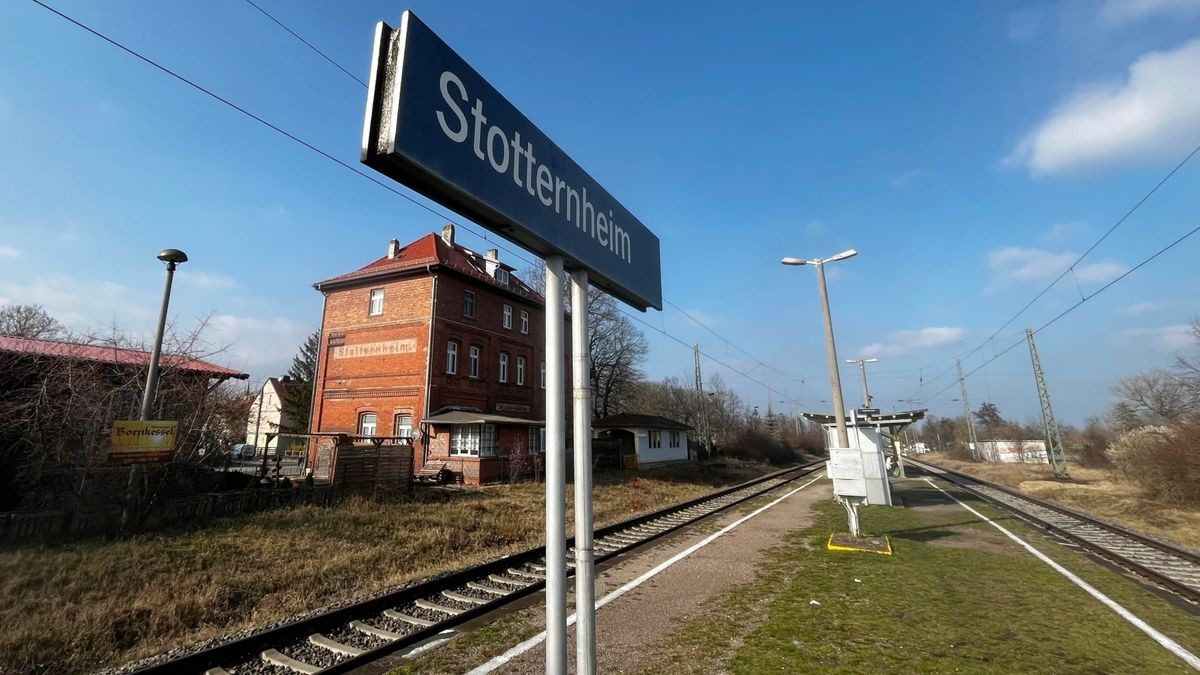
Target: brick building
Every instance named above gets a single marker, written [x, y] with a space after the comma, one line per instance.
[441, 344]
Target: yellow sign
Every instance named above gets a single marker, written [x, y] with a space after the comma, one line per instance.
[134, 441]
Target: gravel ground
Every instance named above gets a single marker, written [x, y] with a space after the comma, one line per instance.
[401, 627]
[310, 653]
[260, 667]
[356, 638]
[422, 613]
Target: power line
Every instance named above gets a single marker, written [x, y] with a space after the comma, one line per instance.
[1071, 268]
[1075, 306]
[363, 174]
[306, 42]
[726, 341]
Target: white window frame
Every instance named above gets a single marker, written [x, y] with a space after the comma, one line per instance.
[543, 374]
[469, 304]
[402, 430]
[655, 438]
[452, 357]
[524, 322]
[473, 440]
[520, 371]
[474, 352]
[537, 441]
[503, 367]
[507, 320]
[363, 428]
[673, 439]
[375, 303]
[502, 275]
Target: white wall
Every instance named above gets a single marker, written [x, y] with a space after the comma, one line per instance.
[665, 453]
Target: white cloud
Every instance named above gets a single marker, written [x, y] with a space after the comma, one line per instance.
[905, 341]
[1140, 308]
[1014, 264]
[906, 178]
[81, 304]
[702, 318]
[1023, 25]
[1149, 116]
[8, 252]
[1120, 12]
[260, 346]
[815, 228]
[205, 280]
[1061, 233]
[1167, 338]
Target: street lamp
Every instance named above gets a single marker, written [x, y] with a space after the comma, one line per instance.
[835, 378]
[862, 367]
[173, 257]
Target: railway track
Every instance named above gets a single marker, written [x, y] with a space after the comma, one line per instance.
[1167, 566]
[347, 637]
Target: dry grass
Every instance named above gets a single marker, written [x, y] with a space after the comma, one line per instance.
[92, 604]
[1103, 493]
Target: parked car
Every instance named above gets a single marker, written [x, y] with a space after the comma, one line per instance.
[242, 451]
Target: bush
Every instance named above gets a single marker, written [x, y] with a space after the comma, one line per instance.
[1163, 461]
[757, 446]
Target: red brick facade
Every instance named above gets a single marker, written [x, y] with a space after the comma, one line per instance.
[388, 357]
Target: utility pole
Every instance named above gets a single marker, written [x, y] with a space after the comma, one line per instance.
[1054, 449]
[971, 442]
[703, 403]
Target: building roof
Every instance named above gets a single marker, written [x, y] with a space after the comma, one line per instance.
[433, 250]
[468, 417]
[625, 420]
[113, 355]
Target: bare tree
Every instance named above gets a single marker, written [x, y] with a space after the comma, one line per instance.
[29, 321]
[1153, 397]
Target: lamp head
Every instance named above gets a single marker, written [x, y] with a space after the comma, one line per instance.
[172, 255]
[794, 261]
[871, 360]
[843, 255]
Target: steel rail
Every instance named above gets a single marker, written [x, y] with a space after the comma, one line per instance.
[651, 526]
[1185, 567]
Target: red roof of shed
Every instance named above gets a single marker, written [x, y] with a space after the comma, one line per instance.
[115, 355]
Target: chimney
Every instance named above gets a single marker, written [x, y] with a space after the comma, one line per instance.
[393, 248]
[492, 261]
[448, 234]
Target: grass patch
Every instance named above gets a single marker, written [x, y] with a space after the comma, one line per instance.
[956, 596]
[1101, 493]
[82, 606]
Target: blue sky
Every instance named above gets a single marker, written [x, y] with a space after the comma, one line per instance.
[968, 151]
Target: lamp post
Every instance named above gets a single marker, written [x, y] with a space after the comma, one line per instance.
[862, 367]
[173, 257]
[835, 378]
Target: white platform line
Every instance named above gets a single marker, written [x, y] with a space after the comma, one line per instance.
[1171, 645]
[541, 637]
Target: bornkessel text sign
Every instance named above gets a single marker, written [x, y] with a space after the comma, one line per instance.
[134, 442]
[436, 125]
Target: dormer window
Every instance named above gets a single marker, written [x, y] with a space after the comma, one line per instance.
[502, 275]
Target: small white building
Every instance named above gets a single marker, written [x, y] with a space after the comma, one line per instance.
[269, 416]
[1013, 452]
[652, 439]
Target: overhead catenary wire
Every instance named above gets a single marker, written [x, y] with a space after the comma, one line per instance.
[296, 139]
[306, 42]
[1073, 307]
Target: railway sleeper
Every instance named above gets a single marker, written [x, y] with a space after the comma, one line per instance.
[334, 646]
[380, 633]
[277, 658]
[433, 606]
[465, 598]
[507, 580]
[406, 618]
[488, 589]
[216, 671]
[523, 573]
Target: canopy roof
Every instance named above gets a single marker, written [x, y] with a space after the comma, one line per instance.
[467, 417]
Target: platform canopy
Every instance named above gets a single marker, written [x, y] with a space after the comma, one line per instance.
[893, 422]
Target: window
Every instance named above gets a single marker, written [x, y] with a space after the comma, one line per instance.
[502, 275]
[655, 439]
[674, 439]
[521, 371]
[537, 440]
[504, 366]
[367, 423]
[508, 317]
[376, 302]
[402, 425]
[473, 440]
[524, 322]
[543, 374]
[473, 361]
[469, 305]
[452, 358]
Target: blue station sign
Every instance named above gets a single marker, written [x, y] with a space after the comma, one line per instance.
[434, 124]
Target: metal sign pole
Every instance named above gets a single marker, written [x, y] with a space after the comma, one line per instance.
[585, 582]
[556, 477]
